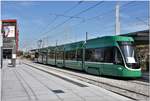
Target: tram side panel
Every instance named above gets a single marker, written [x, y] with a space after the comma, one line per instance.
[100, 61]
[73, 55]
[73, 59]
[101, 56]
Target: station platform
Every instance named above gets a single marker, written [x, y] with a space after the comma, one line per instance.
[24, 83]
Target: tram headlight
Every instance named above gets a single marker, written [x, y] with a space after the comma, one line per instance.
[120, 68]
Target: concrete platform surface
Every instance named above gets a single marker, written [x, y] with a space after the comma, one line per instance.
[24, 83]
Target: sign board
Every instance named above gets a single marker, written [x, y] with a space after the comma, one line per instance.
[1, 38]
[9, 31]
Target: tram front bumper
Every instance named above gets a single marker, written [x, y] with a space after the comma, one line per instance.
[131, 73]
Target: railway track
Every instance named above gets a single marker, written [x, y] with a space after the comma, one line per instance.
[126, 91]
[40, 82]
[24, 83]
[139, 82]
[46, 84]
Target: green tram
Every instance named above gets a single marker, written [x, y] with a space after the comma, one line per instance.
[109, 55]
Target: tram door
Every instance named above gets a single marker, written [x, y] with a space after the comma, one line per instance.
[113, 59]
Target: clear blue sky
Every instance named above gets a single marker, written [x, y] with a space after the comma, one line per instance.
[36, 19]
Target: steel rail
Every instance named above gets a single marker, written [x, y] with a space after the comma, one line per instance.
[33, 92]
[42, 82]
[109, 86]
[21, 83]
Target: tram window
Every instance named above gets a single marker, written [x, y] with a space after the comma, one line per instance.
[99, 55]
[36, 55]
[40, 55]
[60, 55]
[108, 52]
[118, 57]
[88, 54]
[79, 55]
[66, 55]
[44, 56]
[95, 55]
[70, 55]
[51, 55]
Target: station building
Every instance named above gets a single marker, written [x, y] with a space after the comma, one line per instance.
[10, 39]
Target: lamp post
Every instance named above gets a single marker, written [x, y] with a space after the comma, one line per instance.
[1, 44]
[14, 54]
[117, 19]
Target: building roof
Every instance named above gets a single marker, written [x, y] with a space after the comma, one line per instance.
[140, 37]
[9, 20]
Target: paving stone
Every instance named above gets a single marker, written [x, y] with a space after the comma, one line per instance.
[29, 84]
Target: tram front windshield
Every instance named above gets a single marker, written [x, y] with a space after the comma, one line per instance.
[128, 51]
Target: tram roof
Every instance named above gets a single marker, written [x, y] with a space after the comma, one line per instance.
[74, 46]
[103, 41]
[106, 41]
[110, 39]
